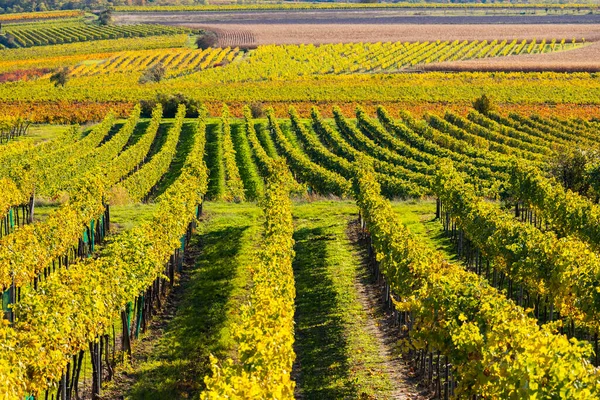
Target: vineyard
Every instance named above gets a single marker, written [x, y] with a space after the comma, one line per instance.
[29, 35]
[17, 17]
[493, 302]
[194, 214]
[300, 60]
[106, 74]
[176, 61]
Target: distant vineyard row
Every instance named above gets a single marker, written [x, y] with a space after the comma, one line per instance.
[267, 62]
[42, 35]
[176, 61]
[40, 15]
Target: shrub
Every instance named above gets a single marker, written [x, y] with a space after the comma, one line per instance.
[207, 39]
[484, 104]
[154, 73]
[105, 17]
[8, 40]
[60, 77]
[578, 170]
[257, 109]
[170, 103]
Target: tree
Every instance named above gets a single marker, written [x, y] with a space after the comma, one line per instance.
[592, 174]
[8, 40]
[206, 40]
[105, 17]
[60, 77]
[257, 109]
[170, 102]
[578, 170]
[484, 104]
[154, 73]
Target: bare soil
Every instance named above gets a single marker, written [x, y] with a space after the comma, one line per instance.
[347, 17]
[382, 326]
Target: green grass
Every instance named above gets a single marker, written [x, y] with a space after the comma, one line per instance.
[127, 216]
[214, 162]
[159, 140]
[209, 303]
[253, 183]
[337, 357]
[138, 132]
[286, 129]
[419, 217]
[262, 132]
[39, 133]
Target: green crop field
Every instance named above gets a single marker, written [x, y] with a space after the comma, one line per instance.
[185, 219]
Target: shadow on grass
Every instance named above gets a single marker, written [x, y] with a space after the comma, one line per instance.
[113, 130]
[159, 140]
[441, 240]
[321, 347]
[178, 364]
[216, 177]
[137, 133]
[186, 140]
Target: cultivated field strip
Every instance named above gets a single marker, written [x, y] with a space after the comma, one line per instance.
[241, 38]
[264, 62]
[176, 61]
[306, 60]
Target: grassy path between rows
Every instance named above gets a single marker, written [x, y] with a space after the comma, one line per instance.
[172, 358]
[419, 218]
[342, 351]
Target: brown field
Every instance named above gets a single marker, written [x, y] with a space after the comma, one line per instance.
[466, 16]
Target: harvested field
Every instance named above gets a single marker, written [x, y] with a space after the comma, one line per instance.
[231, 37]
[347, 17]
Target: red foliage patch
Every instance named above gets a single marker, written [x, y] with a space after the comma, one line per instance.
[23, 75]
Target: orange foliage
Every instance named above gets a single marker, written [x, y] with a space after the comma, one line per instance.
[65, 112]
[564, 110]
[82, 112]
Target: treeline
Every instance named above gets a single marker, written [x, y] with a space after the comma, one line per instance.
[17, 6]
